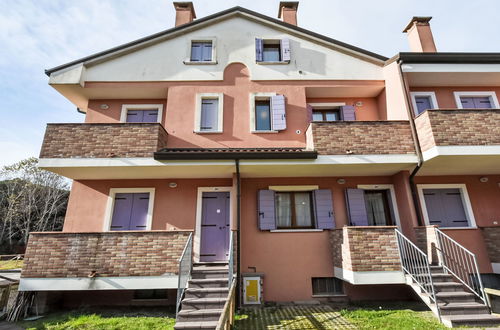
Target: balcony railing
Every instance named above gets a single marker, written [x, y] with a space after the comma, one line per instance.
[103, 140]
[106, 254]
[458, 127]
[360, 137]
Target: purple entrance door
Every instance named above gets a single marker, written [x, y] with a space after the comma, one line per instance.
[214, 226]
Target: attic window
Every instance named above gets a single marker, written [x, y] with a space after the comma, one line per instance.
[201, 51]
[272, 51]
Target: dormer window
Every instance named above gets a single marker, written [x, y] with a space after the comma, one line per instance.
[272, 51]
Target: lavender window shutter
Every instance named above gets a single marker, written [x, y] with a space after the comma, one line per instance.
[482, 102]
[135, 116]
[139, 214]
[196, 51]
[348, 113]
[323, 209]
[356, 207]
[467, 102]
[209, 115]
[122, 211]
[259, 50]
[309, 113]
[285, 50]
[207, 51]
[278, 113]
[266, 210]
[150, 116]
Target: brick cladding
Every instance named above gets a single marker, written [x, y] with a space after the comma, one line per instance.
[56, 255]
[103, 140]
[492, 239]
[363, 137]
[362, 249]
[458, 128]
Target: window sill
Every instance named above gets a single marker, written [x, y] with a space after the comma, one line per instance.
[200, 62]
[274, 63]
[452, 228]
[264, 132]
[208, 132]
[329, 295]
[296, 230]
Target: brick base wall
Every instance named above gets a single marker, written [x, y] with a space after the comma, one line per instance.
[458, 127]
[362, 249]
[103, 140]
[56, 255]
[362, 137]
[492, 239]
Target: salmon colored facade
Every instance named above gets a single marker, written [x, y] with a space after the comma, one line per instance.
[298, 163]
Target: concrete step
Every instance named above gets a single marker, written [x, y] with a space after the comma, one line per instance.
[199, 315]
[468, 308]
[208, 283]
[205, 274]
[479, 320]
[447, 287]
[433, 269]
[442, 277]
[206, 292]
[455, 297]
[210, 268]
[196, 325]
[203, 303]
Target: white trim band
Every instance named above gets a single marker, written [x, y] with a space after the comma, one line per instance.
[374, 277]
[461, 151]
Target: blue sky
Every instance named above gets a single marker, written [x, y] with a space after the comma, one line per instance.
[40, 34]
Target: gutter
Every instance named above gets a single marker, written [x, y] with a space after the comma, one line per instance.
[413, 186]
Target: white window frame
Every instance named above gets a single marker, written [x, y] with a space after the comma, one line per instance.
[220, 112]
[127, 107]
[431, 95]
[490, 94]
[394, 201]
[201, 39]
[260, 97]
[199, 205]
[108, 214]
[465, 202]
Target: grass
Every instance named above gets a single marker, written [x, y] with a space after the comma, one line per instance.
[106, 320]
[11, 264]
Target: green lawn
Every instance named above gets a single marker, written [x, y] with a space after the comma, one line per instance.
[11, 264]
[106, 320]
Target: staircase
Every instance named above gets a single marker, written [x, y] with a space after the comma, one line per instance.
[205, 296]
[456, 300]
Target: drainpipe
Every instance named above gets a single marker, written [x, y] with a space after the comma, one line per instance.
[80, 111]
[238, 236]
[413, 186]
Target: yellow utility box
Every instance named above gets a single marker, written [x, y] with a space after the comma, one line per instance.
[252, 288]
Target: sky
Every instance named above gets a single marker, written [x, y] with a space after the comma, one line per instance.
[40, 34]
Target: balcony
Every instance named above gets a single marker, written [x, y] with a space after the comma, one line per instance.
[459, 141]
[111, 140]
[458, 127]
[366, 255]
[52, 255]
[361, 137]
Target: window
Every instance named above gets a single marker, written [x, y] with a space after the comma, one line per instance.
[209, 113]
[150, 294]
[141, 113]
[272, 50]
[423, 101]
[326, 115]
[263, 115]
[201, 51]
[377, 208]
[327, 286]
[294, 210]
[476, 100]
[129, 209]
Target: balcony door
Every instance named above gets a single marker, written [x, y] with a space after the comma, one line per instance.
[215, 227]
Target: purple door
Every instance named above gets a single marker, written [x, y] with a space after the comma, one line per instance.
[445, 207]
[130, 211]
[214, 226]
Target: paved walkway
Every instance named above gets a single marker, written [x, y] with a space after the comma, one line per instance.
[9, 326]
[321, 317]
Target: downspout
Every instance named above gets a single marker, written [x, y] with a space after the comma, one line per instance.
[80, 111]
[413, 186]
[238, 235]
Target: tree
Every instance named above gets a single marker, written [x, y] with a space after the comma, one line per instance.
[31, 199]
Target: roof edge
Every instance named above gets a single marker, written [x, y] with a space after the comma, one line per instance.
[448, 57]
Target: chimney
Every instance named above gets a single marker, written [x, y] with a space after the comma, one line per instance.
[420, 35]
[288, 11]
[184, 13]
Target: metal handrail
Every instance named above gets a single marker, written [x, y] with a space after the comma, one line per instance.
[461, 263]
[416, 265]
[185, 268]
[230, 262]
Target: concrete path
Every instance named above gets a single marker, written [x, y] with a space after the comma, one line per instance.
[9, 326]
[309, 317]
